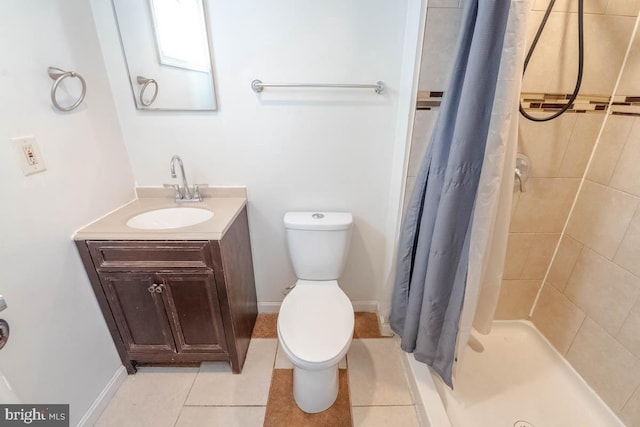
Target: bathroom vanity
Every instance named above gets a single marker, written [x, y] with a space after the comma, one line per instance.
[174, 296]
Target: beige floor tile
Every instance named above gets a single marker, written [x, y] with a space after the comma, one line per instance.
[601, 217]
[557, 318]
[221, 416]
[384, 416]
[603, 290]
[282, 362]
[376, 375]
[612, 371]
[217, 385]
[153, 397]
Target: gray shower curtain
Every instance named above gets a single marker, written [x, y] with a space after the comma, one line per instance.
[433, 250]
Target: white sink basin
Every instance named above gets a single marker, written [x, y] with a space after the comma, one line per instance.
[162, 219]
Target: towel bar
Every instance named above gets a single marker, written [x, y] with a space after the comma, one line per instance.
[378, 87]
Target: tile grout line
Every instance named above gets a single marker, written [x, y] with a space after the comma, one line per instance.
[626, 232]
[615, 168]
[629, 399]
[566, 148]
[593, 151]
[610, 187]
[575, 336]
[626, 270]
[635, 301]
[184, 403]
[573, 268]
[626, 140]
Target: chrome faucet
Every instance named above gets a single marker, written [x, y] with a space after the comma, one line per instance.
[184, 194]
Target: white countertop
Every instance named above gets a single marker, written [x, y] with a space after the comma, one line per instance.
[225, 202]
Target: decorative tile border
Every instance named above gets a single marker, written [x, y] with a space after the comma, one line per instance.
[428, 100]
[623, 105]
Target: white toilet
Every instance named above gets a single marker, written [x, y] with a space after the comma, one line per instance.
[315, 324]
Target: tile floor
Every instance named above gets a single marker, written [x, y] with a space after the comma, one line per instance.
[374, 389]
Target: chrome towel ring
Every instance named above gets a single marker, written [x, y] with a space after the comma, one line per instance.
[59, 75]
[145, 82]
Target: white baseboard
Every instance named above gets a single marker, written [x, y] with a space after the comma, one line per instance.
[368, 306]
[269, 307]
[274, 307]
[385, 328]
[99, 405]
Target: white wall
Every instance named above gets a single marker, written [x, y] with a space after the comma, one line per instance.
[293, 149]
[60, 350]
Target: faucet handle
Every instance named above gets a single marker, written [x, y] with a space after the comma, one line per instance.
[196, 191]
[176, 188]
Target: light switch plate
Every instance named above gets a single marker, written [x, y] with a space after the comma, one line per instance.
[29, 154]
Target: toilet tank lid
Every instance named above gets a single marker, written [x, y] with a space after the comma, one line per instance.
[318, 220]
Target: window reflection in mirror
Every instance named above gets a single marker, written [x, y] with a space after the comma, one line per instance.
[166, 41]
[181, 36]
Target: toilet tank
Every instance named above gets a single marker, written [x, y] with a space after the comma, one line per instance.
[318, 243]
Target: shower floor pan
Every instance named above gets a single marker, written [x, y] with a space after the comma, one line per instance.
[518, 380]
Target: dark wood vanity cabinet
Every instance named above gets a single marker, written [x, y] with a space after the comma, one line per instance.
[176, 302]
[174, 312]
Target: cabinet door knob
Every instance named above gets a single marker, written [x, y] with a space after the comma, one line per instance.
[159, 288]
[152, 288]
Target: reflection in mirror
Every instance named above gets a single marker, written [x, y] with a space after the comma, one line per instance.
[166, 49]
[181, 36]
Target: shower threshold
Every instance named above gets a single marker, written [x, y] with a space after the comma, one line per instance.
[519, 379]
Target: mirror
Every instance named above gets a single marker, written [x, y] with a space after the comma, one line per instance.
[166, 49]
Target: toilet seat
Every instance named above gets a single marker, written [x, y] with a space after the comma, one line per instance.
[315, 324]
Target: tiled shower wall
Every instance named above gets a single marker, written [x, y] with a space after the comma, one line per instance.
[559, 150]
[590, 308]
[590, 305]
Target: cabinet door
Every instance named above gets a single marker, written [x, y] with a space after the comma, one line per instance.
[139, 313]
[191, 301]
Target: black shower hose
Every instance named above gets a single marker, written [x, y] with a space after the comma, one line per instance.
[580, 61]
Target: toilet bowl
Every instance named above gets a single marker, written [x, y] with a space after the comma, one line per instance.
[316, 320]
[315, 327]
